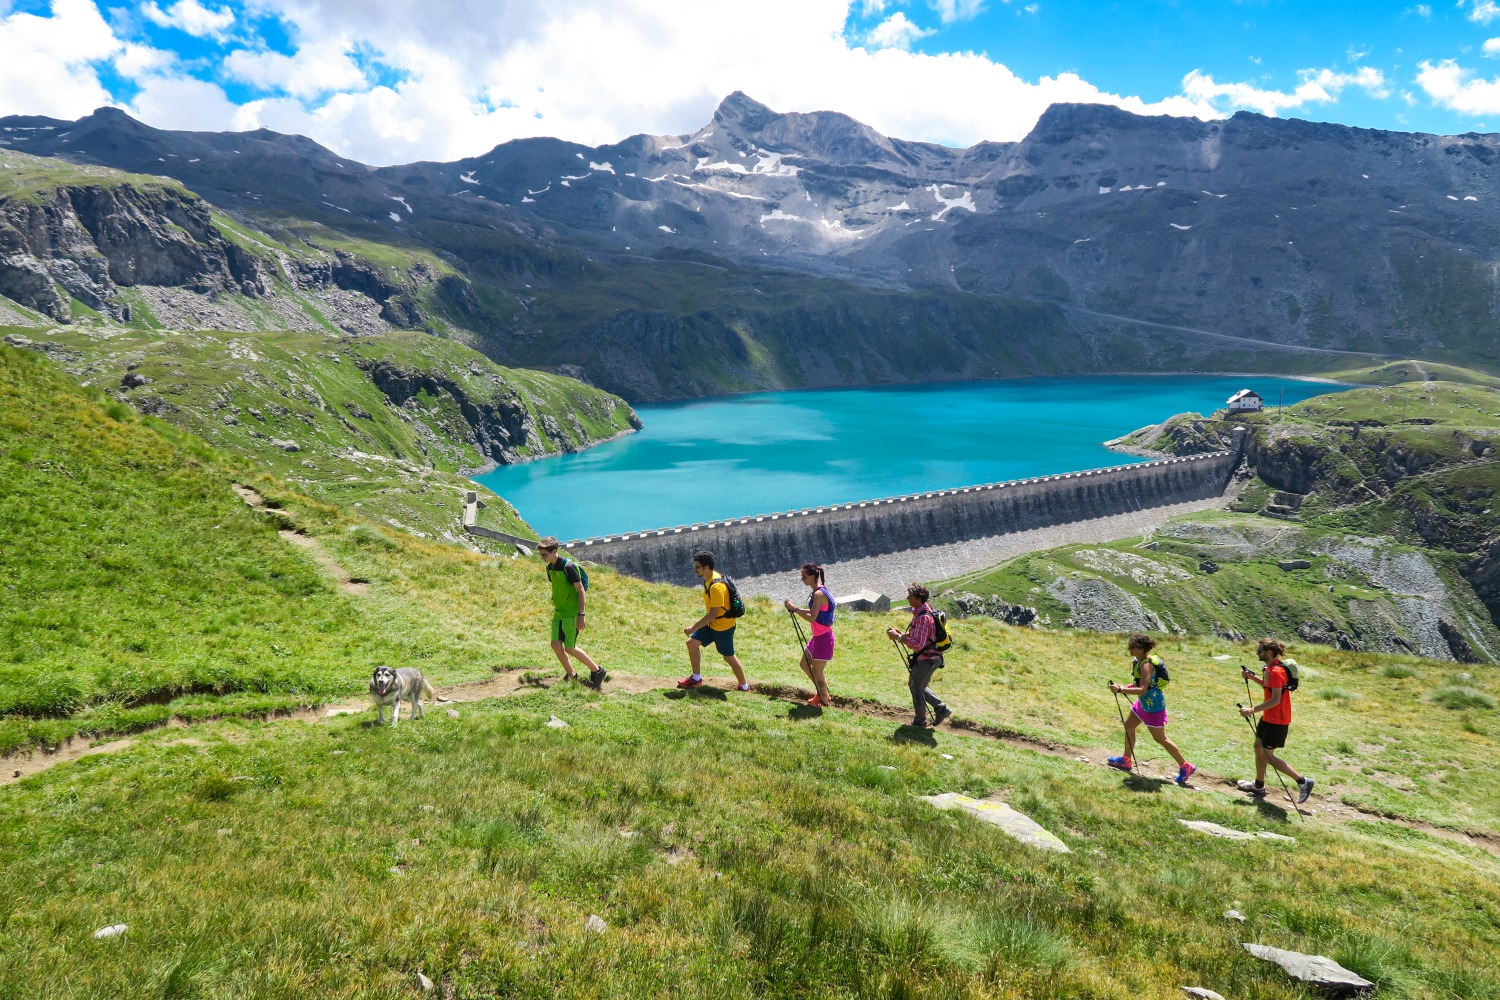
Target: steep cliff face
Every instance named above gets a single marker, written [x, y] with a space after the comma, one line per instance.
[497, 424]
[93, 239]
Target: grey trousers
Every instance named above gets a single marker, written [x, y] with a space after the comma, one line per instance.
[921, 671]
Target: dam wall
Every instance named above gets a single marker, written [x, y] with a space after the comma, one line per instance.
[774, 543]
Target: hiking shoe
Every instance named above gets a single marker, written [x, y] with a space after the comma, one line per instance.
[1304, 789]
[1120, 763]
[688, 682]
[596, 677]
[1251, 787]
[943, 715]
[918, 723]
[1185, 772]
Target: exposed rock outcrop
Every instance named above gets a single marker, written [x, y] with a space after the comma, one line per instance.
[93, 239]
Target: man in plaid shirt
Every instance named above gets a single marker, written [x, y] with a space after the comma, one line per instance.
[924, 660]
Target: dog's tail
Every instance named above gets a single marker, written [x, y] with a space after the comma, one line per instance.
[427, 691]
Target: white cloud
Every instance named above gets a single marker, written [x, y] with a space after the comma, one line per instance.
[192, 17]
[317, 68]
[1492, 47]
[46, 69]
[1318, 86]
[1422, 10]
[180, 102]
[896, 32]
[874, 8]
[1457, 89]
[1483, 11]
[950, 11]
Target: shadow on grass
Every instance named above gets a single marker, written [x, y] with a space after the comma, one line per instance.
[797, 712]
[1266, 808]
[706, 693]
[1141, 783]
[914, 734]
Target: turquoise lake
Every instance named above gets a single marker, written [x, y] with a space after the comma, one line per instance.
[760, 453]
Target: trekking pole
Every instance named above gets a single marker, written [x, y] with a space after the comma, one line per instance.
[801, 636]
[1121, 713]
[1279, 778]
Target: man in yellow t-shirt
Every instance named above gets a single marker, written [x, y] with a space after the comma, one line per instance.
[713, 628]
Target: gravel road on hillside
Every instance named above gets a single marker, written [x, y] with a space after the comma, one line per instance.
[889, 574]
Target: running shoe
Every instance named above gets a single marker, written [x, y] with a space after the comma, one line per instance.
[689, 682]
[1121, 763]
[1304, 789]
[1185, 772]
[943, 715]
[743, 687]
[596, 677]
[1251, 787]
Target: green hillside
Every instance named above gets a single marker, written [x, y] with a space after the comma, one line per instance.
[386, 425]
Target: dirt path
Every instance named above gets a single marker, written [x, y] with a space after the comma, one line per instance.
[314, 548]
[510, 683]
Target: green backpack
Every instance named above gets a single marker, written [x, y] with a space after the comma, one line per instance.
[1293, 673]
[1159, 676]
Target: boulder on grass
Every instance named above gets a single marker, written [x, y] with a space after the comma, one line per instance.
[1317, 970]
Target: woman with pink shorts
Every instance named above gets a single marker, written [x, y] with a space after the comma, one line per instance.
[818, 614]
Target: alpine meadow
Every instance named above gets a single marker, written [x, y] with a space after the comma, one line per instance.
[867, 401]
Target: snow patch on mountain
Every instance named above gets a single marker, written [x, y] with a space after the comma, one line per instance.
[394, 217]
[667, 229]
[965, 201]
[603, 168]
[778, 215]
[397, 197]
[468, 178]
[542, 191]
[903, 207]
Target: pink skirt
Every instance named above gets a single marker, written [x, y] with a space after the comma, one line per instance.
[820, 647]
[1153, 720]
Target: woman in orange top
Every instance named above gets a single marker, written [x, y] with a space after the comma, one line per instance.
[1275, 720]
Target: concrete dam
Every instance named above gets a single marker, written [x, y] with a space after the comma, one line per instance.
[776, 543]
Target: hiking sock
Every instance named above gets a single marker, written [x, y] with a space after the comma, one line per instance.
[697, 677]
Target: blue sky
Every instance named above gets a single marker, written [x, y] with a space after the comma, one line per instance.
[387, 81]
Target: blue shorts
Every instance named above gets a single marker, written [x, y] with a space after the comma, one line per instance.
[722, 641]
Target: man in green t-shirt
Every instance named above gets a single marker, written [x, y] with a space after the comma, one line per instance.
[569, 596]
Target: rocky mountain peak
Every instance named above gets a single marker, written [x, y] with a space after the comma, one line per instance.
[740, 110]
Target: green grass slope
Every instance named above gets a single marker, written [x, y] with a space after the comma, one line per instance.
[733, 849]
[387, 425]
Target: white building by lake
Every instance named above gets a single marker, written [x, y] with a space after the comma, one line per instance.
[1246, 401]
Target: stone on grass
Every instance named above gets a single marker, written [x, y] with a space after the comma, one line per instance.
[424, 982]
[596, 924]
[556, 723]
[452, 713]
[285, 445]
[1291, 564]
[1315, 969]
[1215, 830]
[113, 930]
[1201, 993]
[1019, 826]
[1234, 915]
[946, 756]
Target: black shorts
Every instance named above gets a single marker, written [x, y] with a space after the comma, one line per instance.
[1272, 735]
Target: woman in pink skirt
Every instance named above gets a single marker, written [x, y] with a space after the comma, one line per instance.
[818, 614]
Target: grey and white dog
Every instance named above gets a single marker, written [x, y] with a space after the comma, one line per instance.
[392, 687]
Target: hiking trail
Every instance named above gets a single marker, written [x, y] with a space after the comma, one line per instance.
[314, 548]
[522, 680]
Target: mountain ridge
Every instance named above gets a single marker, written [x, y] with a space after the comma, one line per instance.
[1279, 231]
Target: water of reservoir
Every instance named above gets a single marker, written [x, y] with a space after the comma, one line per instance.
[760, 453]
